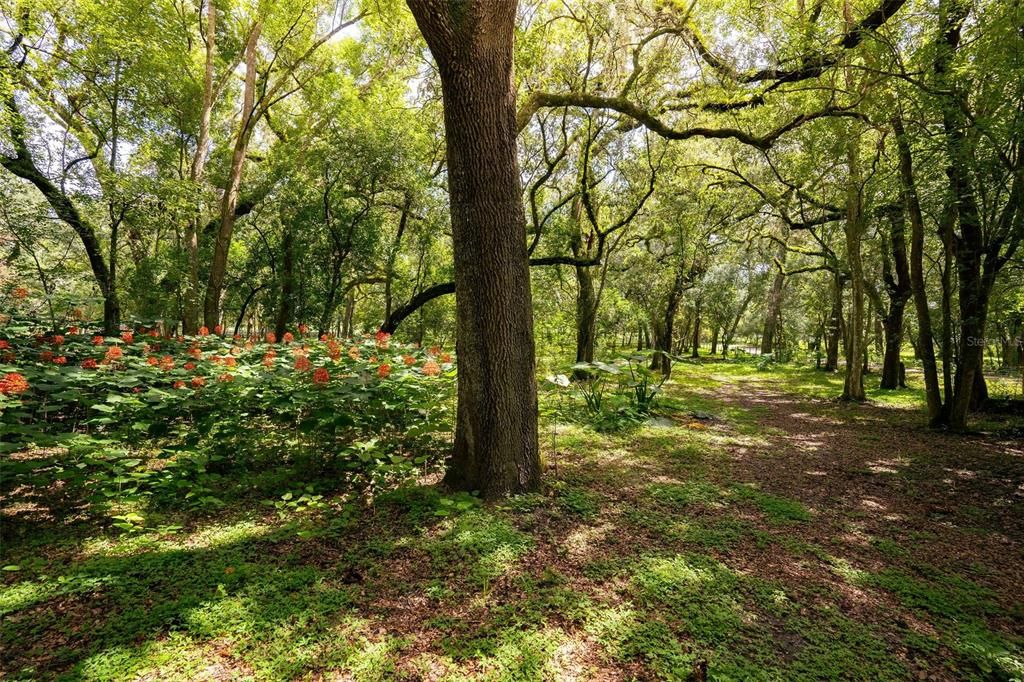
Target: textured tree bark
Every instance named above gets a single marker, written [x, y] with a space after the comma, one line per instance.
[774, 309]
[926, 340]
[896, 274]
[496, 448]
[229, 202]
[853, 387]
[190, 312]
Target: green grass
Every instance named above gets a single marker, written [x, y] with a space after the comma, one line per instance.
[647, 553]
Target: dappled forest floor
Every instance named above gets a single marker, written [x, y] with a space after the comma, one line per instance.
[757, 527]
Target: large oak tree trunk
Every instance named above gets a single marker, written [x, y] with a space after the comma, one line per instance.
[496, 448]
[773, 311]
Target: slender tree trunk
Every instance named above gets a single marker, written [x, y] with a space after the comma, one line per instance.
[925, 338]
[853, 388]
[586, 314]
[229, 202]
[774, 309]
[190, 316]
[286, 306]
[731, 332]
[496, 448]
[695, 353]
[835, 327]
[896, 274]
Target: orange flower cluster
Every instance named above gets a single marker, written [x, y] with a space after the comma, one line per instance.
[384, 370]
[127, 337]
[13, 384]
[431, 368]
[114, 353]
[321, 376]
[89, 363]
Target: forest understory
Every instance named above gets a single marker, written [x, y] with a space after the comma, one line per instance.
[757, 529]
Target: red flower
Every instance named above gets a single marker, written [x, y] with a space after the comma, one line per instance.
[431, 368]
[198, 381]
[167, 363]
[4, 344]
[152, 360]
[218, 330]
[303, 328]
[409, 360]
[434, 350]
[288, 337]
[321, 376]
[302, 364]
[446, 357]
[324, 337]
[13, 384]
[382, 339]
[20, 292]
[384, 370]
[73, 330]
[178, 384]
[60, 360]
[190, 366]
[226, 377]
[114, 353]
[204, 331]
[46, 355]
[230, 362]
[89, 363]
[58, 340]
[271, 337]
[97, 340]
[127, 337]
[195, 352]
[353, 352]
